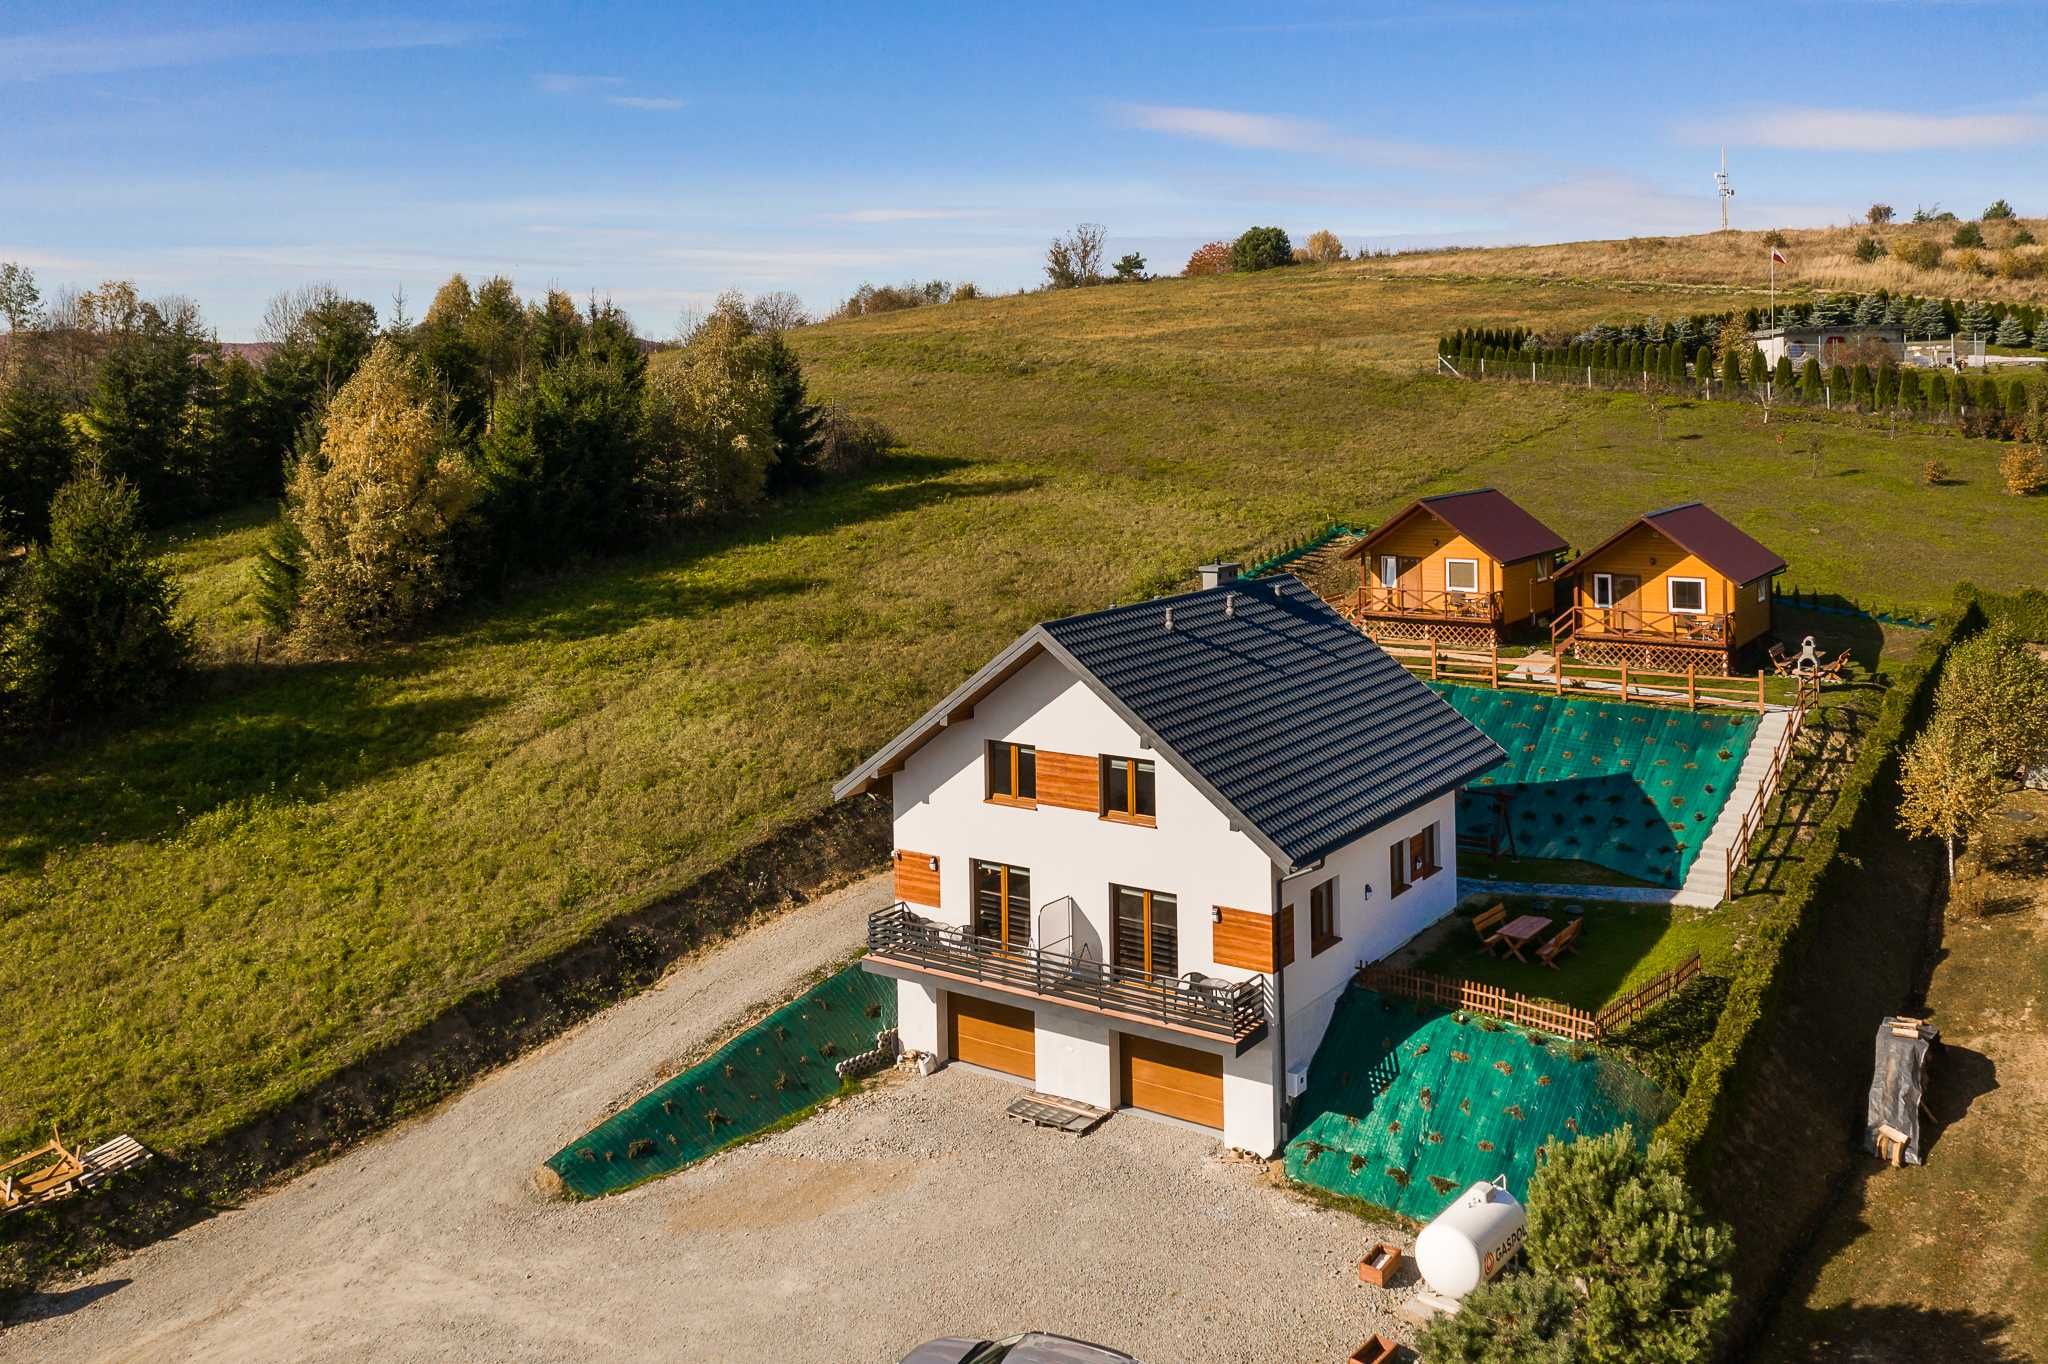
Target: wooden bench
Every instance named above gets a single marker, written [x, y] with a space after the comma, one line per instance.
[1565, 940]
[1487, 924]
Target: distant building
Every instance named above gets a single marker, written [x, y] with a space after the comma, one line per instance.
[1847, 344]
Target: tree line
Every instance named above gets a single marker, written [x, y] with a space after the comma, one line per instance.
[416, 462]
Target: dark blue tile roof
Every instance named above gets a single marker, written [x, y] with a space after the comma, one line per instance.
[1280, 708]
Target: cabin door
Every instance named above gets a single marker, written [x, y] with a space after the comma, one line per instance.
[1397, 576]
[1628, 612]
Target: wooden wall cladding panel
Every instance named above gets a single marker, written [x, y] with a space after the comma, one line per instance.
[1244, 939]
[1069, 780]
[1283, 925]
[917, 878]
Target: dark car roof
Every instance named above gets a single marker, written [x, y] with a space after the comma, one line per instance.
[1287, 717]
[1487, 517]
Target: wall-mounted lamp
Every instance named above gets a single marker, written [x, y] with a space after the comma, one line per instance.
[1215, 914]
[931, 863]
[1366, 894]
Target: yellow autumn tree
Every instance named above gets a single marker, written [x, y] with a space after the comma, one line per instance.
[375, 505]
[709, 408]
[1324, 247]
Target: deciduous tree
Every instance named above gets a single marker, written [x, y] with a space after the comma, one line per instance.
[1076, 259]
[1324, 247]
[1212, 258]
[1949, 779]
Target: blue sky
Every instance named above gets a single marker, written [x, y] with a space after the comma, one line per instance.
[661, 153]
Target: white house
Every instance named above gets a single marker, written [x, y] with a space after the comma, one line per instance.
[1141, 852]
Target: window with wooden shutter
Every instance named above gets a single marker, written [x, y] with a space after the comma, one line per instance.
[1002, 904]
[1147, 930]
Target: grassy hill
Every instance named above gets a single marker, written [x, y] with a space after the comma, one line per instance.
[215, 910]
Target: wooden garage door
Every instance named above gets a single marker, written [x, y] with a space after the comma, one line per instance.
[1177, 1081]
[998, 1036]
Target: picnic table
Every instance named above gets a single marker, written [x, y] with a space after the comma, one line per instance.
[1517, 934]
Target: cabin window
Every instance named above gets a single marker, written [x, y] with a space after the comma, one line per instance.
[1129, 791]
[1603, 589]
[1461, 575]
[1322, 918]
[1763, 591]
[1012, 773]
[1390, 570]
[1688, 596]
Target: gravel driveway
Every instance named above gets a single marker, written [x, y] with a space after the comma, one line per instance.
[915, 1209]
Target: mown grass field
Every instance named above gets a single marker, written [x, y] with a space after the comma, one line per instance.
[213, 910]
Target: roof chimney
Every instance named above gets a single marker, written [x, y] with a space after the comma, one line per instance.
[1215, 575]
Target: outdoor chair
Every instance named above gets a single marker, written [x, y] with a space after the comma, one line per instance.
[1781, 662]
[1487, 925]
[1563, 941]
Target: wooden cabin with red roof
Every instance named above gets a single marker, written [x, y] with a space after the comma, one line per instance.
[1677, 588]
[1459, 568]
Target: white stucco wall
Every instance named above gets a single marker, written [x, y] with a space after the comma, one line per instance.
[1192, 854]
[1371, 921]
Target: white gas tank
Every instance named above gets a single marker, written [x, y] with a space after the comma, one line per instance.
[1471, 1240]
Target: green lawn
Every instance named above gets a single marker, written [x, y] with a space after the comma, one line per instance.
[213, 910]
[1620, 948]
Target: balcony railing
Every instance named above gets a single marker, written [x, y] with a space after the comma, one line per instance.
[1416, 602]
[1231, 1011]
[1629, 623]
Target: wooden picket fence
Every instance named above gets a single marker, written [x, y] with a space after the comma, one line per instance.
[1526, 1011]
[1625, 1011]
[1495, 1001]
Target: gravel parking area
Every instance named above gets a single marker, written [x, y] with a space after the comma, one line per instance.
[912, 1210]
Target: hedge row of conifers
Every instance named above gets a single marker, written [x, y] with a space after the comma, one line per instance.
[1861, 810]
[1997, 403]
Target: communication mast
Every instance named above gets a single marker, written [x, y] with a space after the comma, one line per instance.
[1723, 188]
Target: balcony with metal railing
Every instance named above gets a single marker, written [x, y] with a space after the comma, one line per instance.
[1219, 1010]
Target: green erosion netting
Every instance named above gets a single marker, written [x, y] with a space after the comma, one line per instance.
[1394, 1116]
[1635, 788]
[775, 1068]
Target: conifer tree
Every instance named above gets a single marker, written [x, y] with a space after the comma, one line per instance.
[1811, 381]
[1731, 371]
[1759, 370]
[1859, 385]
[1976, 321]
[2011, 331]
[1781, 376]
[1911, 395]
[1937, 392]
[1838, 382]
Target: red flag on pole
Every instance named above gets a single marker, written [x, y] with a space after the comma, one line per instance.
[1777, 259]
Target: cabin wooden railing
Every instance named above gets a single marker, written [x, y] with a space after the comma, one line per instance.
[1415, 601]
[1629, 623]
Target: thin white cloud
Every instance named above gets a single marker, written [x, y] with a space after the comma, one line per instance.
[908, 215]
[570, 83]
[1284, 133]
[1870, 130]
[644, 101]
[89, 53]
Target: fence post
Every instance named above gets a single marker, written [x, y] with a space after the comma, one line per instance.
[1589, 376]
[1624, 679]
[1691, 700]
[1759, 691]
[1432, 657]
[1532, 371]
[1482, 367]
[1493, 668]
[1827, 396]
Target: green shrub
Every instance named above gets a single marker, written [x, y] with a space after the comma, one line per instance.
[1261, 248]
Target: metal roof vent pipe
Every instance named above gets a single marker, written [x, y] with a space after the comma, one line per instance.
[1230, 606]
[1169, 617]
[1215, 575]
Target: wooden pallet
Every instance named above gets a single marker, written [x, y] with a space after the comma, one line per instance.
[66, 1172]
[1063, 1115]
